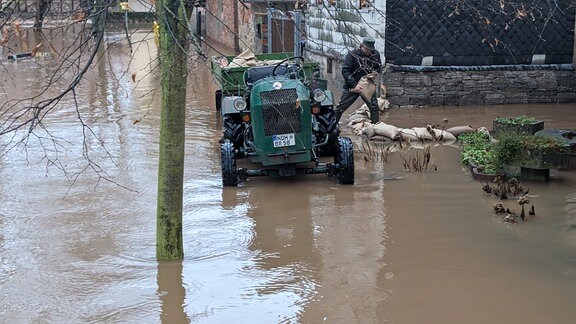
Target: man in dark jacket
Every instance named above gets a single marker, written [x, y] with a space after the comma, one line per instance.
[358, 63]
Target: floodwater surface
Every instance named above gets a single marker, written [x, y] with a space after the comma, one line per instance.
[77, 221]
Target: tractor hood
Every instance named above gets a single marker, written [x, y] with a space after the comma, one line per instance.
[281, 120]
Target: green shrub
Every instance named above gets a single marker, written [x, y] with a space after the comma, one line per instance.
[514, 148]
[519, 120]
[477, 151]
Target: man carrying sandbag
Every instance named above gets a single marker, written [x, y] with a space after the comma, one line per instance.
[361, 70]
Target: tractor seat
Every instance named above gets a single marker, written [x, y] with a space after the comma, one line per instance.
[256, 73]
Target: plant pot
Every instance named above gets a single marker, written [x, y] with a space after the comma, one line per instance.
[546, 159]
[569, 137]
[499, 128]
[478, 175]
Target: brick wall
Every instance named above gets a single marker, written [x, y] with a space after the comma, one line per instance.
[225, 18]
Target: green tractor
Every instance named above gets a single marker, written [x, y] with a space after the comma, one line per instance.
[283, 123]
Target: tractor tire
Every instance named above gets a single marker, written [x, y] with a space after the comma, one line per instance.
[344, 160]
[228, 163]
[233, 131]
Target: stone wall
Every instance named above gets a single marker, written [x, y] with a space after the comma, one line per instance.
[545, 84]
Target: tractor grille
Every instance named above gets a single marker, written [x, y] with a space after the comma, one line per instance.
[280, 113]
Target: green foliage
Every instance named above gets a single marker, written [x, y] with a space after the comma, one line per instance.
[477, 151]
[533, 143]
[518, 120]
[515, 148]
[509, 148]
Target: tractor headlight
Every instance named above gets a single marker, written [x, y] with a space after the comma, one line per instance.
[319, 95]
[240, 104]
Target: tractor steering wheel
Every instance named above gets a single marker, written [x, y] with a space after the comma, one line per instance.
[283, 61]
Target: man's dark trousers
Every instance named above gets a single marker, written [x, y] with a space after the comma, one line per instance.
[349, 97]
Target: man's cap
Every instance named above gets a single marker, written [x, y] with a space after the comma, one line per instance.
[368, 42]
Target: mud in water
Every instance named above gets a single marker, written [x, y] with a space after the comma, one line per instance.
[397, 247]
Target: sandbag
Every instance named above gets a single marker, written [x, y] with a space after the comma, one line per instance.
[379, 138]
[422, 133]
[458, 130]
[246, 58]
[443, 135]
[356, 116]
[386, 130]
[407, 134]
[246, 55]
[369, 131]
[383, 104]
[359, 122]
[368, 84]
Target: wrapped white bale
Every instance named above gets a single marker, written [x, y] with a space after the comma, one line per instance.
[458, 130]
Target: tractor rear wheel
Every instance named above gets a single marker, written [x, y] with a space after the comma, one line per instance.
[344, 160]
[228, 163]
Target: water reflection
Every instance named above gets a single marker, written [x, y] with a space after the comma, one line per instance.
[285, 253]
[171, 292]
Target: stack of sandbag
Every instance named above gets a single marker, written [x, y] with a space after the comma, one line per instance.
[387, 132]
[358, 120]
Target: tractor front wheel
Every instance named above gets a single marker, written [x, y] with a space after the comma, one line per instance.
[344, 160]
[228, 162]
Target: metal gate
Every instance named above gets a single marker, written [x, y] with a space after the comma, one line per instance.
[285, 31]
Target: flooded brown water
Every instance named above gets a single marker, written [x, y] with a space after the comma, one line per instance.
[397, 247]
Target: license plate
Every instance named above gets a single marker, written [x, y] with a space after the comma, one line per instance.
[283, 140]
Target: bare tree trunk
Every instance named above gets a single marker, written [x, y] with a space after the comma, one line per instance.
[174, 43]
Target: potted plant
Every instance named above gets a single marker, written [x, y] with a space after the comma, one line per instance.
[515, 151]
[478, 153]
[520, 124]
